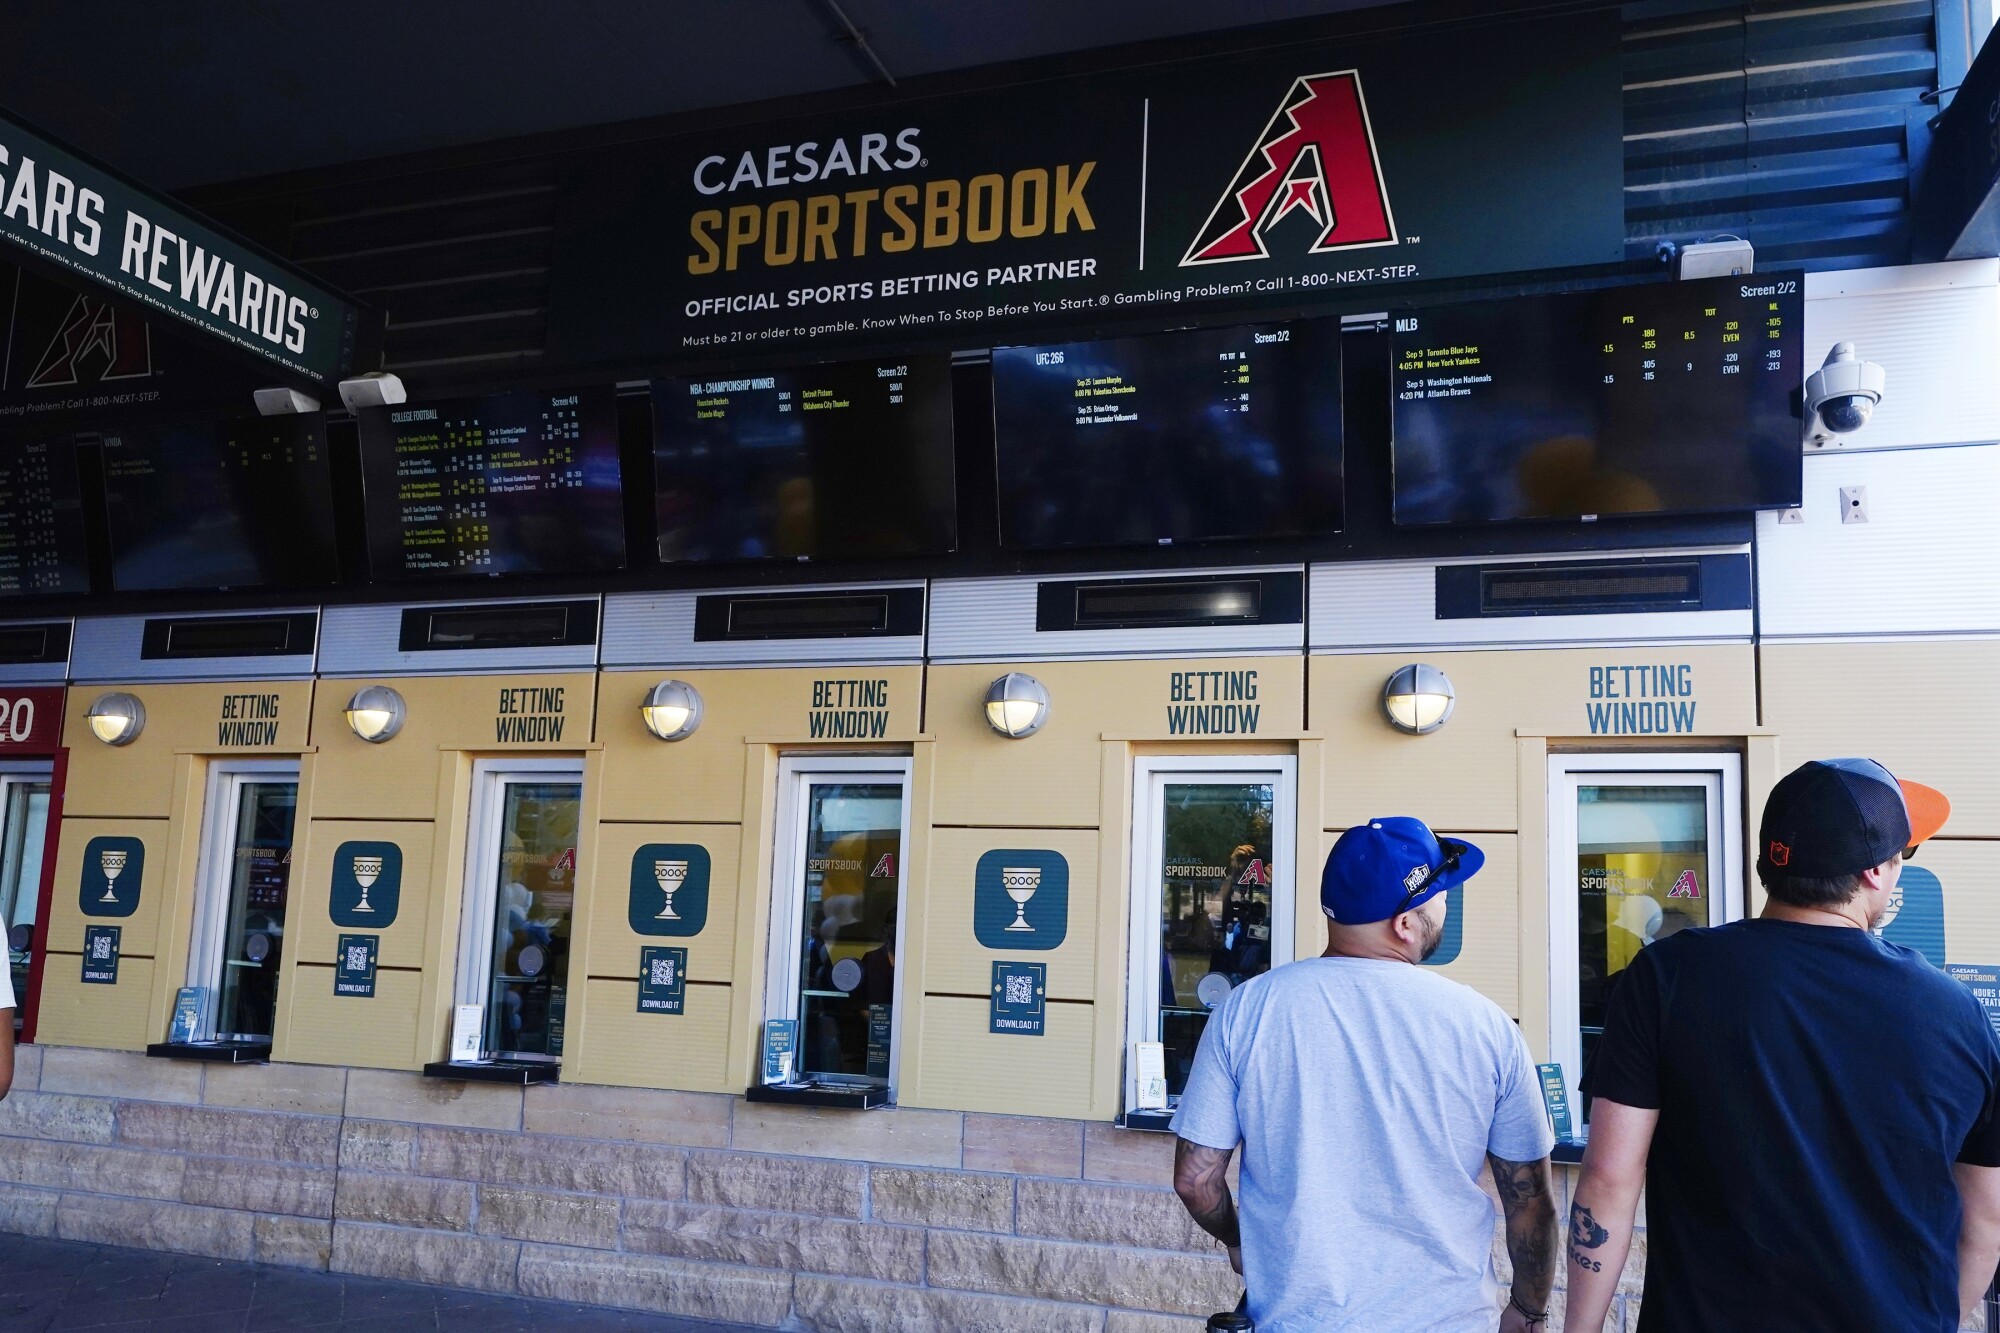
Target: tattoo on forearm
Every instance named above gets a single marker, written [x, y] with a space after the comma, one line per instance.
[1531, 1226]
[1585, 1233]
[1201, 1179]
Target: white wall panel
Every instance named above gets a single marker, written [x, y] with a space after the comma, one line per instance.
[993, 620]
[656, 629]
[1927, 561]
[110, 649]
[1935, 328]
[1384, 604]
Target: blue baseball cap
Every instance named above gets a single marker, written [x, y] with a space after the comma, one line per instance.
[1391, 865]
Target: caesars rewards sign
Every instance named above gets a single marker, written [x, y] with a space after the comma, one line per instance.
[1237, 182]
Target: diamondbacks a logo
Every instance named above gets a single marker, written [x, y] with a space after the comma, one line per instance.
[1316, 156]
[95, 342]
[1687, 886]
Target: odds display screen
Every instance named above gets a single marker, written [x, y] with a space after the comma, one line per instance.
[1190, 436]
[1664, 399]
[851, 460]
[41, 517]
[514, 483]
[220, 504]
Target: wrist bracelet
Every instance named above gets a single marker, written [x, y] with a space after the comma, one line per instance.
[1531, 1316]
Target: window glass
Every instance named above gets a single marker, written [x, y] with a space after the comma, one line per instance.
[851, 880]
[254, 929]
[26, 818]
[1215, 905]
[532, 903]
[1642, 874]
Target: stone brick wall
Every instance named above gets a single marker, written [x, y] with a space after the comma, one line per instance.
[690, 1204]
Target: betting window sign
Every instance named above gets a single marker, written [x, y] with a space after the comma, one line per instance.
[69, 212]
[1673, 398]
[514, 483]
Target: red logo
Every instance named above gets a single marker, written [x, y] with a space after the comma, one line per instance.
[1316, 156]
[1255, 873]
[884, 868]
[1687, 886]
[1780, 854]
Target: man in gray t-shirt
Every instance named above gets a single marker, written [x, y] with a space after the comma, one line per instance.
[1368, 1094]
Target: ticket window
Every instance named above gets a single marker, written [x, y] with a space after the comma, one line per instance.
[1212, 879]
[521, 875]
[1640, 847]
[24, 819]
[836, 914]
[244, 884]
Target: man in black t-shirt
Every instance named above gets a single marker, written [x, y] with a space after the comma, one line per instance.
[1812, 1110]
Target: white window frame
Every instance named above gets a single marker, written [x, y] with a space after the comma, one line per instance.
[476, 921]
[1151, 776]
[1719, 773]
[24, 773]
[796, 775]
[216, 867]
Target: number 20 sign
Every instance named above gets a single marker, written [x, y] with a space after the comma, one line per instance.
[31, 719]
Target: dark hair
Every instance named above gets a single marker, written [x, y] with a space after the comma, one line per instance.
[1805, 891]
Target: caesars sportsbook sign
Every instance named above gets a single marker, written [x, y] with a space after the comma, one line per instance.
[69, 215]
[1297, 175]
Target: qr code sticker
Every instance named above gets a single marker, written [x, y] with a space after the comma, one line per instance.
[357, 958]
[1020, 989]
[663, 971]
[101, 947]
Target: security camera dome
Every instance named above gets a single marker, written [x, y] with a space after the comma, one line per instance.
[1841, 395]
[1846, 415]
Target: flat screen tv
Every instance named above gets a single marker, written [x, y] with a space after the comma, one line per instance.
[524, 482]
[1199, 435]
[220, 504]
[42, 546]
[848, 460]
[1671, 398]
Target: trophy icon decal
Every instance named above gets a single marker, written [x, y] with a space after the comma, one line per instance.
[113, 865]
[367, 869]
[670, 875]
[1020, 883]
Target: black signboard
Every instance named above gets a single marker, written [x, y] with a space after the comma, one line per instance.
[67, 212]
[220, 504]
[41, 517]
[1299, 173]
[514, 483]
[1189, 436]
[1668, 398]
[845, 460]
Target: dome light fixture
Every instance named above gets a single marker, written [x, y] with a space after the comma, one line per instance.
[375, 714]
[1418, 699]
[672, 710]
[116, 718]
[1017, 705]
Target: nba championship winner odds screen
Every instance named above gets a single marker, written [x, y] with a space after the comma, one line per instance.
[1258, 182]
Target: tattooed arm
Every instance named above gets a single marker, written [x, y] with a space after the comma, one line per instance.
[1201, 1179]
[1603, 1206]
[1530, 1208]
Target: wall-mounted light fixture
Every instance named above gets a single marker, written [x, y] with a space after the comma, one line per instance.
[672, 710]
[1016, 705]
[1418, 699]
[116, 718]
[376, 713]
